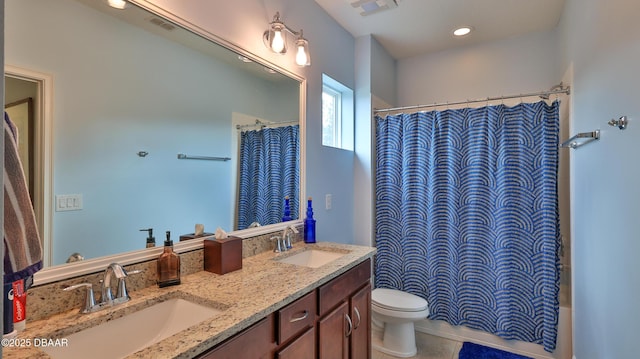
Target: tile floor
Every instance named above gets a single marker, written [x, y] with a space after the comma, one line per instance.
[429, 347]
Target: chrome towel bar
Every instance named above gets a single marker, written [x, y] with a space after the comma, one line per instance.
[581, 139]
[182, 156]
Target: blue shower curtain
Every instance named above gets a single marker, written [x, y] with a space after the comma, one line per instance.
[467, 216]
[268, 172]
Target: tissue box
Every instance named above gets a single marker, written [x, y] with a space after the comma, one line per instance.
[223, 255]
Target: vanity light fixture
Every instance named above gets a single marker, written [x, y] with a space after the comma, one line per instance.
[117, 4]
[462, 31]
[275, 39]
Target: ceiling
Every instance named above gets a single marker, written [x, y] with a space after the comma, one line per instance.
[417, 27]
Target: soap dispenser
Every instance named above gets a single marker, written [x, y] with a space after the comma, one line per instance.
[309, 225]
[151, 240]
[168, 265]
[287, 210]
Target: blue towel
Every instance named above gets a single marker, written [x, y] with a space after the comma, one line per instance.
[23, 251]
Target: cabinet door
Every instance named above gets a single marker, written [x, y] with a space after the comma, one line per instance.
[303, 347]
[333, 342]
[339, 289]
[360, 309]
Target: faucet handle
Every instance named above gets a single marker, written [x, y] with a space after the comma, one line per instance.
[287, 241]
[278, 246]
[123, 294]
[89, 299]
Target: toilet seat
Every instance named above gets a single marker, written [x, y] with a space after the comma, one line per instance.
[396, 300]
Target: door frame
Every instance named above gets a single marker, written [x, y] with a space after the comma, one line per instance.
[43, 153]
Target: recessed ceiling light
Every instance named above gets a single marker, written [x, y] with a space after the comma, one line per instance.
[118, 4]
[465, 30]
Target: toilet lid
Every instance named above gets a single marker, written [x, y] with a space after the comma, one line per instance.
[397, 300]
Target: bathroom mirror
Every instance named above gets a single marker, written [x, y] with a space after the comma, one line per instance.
[130, 93]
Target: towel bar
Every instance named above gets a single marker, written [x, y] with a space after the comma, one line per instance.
[586, 137]
[182, 156]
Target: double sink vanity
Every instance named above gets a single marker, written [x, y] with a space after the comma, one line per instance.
[300, 303]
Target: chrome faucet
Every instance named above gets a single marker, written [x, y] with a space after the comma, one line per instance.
[286, 236]
[106, 299]
[114, 269]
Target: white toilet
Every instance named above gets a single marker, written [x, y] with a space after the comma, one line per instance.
[397, 311]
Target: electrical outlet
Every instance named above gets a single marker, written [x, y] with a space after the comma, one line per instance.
[327, 201]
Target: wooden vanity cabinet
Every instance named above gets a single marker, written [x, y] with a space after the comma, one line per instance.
[344, 324]
[331, 322]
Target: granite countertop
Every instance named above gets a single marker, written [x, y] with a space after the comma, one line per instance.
[261, 287]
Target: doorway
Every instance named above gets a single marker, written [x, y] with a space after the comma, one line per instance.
[28, 99]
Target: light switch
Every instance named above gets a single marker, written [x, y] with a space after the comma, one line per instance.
[68, 202]
[327, 201]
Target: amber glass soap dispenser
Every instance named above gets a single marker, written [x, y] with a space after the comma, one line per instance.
[168, 265]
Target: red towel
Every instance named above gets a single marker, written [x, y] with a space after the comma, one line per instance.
[23, 251]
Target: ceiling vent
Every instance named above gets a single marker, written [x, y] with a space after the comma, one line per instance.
[369, 7]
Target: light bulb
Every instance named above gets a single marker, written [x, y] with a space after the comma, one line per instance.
[118, 4]
[462, 31]
[301, 56]
[277, 44]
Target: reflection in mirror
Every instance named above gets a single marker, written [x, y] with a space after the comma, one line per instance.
[130, 92]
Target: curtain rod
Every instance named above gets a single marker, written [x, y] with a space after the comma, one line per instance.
[264, 124]
[544, 94]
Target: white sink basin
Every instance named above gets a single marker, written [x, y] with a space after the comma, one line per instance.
[128, 334]
[312, 258]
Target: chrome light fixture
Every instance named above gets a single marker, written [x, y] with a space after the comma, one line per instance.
[275, 39]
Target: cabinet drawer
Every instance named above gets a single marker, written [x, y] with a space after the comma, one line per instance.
[332, 293]
[296, 317]
[255, 342]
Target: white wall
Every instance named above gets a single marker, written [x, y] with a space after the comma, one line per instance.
[363, 190]
[518, 65]
[242, 22]
[383, 74]
[375, 79]
[601, 41]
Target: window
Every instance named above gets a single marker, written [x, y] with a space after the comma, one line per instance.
[337, 114]
[331, 119]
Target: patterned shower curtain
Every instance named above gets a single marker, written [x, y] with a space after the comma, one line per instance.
[268, 172]
[467, 216]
